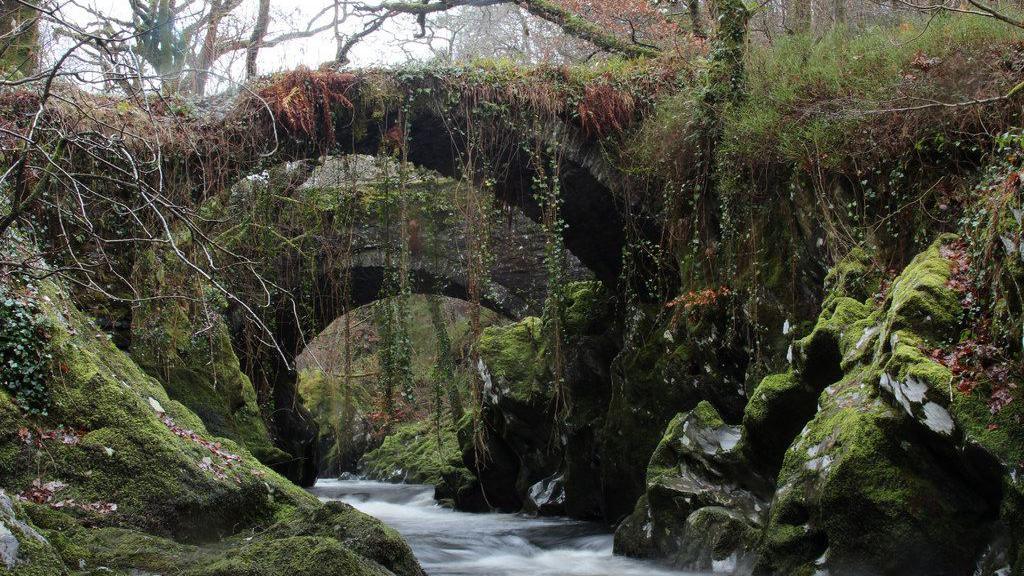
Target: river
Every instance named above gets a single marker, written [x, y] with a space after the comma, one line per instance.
[452, 543]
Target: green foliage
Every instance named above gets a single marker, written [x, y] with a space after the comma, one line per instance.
[395, 352]
[25, 359]
[805, 92]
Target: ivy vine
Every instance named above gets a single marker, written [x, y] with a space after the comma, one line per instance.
[24, 353]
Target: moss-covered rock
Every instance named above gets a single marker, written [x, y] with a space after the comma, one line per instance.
[779, 407]
[702, 504]
[125, 442]
[662, 371]
[859, 492]
[24, 551]
[293, 556]
[416, 452]
[138, 479]
[197, 365]
[514, 357]
[878, 482]
[366, 536]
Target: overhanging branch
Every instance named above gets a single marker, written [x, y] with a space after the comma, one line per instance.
[570, 23]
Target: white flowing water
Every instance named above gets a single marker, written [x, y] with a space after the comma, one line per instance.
[451, 543]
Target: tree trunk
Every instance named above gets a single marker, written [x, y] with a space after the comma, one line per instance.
[19, 39]
[839, 12]
[698, 23]
[208, 52]
[258, 33]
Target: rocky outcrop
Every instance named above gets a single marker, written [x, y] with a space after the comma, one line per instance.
[863, 459]
[704, 505]
[537, 458]
[663, 370]
[881, 479]
[189, 351]
[116, 475]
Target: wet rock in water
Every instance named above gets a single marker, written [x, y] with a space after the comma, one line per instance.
[547, 496]
[529, 445]
[880, 467]
[654, 379]
[416, 453]
[703, 505]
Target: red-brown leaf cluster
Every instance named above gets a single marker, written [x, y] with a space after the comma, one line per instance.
[46, 493]
[960, 280]
[37, 438]
[220, 469]
[922, 62]
[700, 298]
[975, 361]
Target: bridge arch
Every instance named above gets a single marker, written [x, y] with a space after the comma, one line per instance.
[347, 260]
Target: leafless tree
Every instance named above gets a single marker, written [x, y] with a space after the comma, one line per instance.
[86, 183]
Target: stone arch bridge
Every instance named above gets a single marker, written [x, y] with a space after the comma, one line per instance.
[516, 275]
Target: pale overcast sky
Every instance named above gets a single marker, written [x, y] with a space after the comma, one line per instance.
[380, 49]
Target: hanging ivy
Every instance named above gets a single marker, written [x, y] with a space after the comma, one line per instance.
[391, 312]
[24, 353]
[546, 184]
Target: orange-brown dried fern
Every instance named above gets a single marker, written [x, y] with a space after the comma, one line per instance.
[304, 101]
[605, 110]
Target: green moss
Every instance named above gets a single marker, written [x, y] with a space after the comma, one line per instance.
[172, 482]
[34, 556]
[417, 453]
[664, 462]
[768, 395]
[514, 355]
[126, 455]
[818, 358]
[133, 550]
[588, 307]
[857, 481]
[716, 533]
[335, 540]
[850, 483]
[360, 533]
[779, 407]
[705, 414]
[201, 372]
[920, 302]
[854, 276]
[296, 556]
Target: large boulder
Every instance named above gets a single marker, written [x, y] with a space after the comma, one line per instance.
[883, 480]
[666, 368]
[542, 432]
[704, 505]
